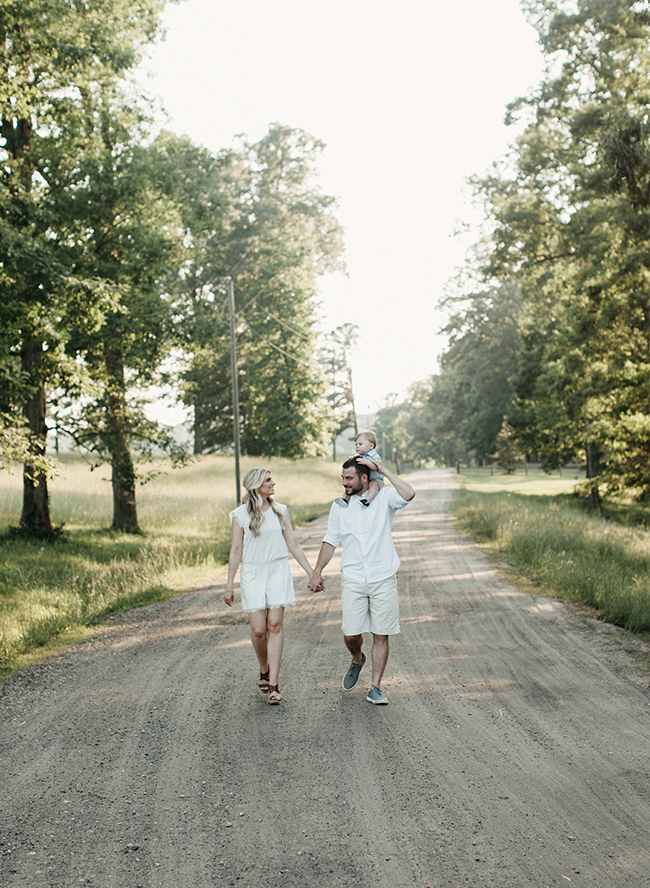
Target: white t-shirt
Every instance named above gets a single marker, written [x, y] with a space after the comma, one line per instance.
[368, 554]
[270, 544]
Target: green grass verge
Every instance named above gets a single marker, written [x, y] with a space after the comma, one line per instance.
[601, 561]
[54, 594]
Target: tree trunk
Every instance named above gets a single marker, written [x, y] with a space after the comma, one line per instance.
[591, 452]
[125, 516]
[198, 433]
[35, 517]
[353, 409]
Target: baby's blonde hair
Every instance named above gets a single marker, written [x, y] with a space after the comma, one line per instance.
[369, 435]
[252, 481]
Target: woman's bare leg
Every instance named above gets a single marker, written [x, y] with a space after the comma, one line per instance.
[275, 636]
[259, 638]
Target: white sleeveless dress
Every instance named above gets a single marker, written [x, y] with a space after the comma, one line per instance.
[265, 577]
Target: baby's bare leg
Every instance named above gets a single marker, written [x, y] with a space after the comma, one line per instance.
[373, 490]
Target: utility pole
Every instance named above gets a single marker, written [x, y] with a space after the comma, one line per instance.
[334, 402]
[235, 385]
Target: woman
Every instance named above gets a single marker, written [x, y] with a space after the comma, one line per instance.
[261, 535]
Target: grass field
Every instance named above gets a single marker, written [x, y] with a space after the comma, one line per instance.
[52, 594]
[535, 523]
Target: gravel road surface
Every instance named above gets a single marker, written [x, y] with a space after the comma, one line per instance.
[514, 752]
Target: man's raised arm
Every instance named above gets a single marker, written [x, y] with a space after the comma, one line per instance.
[402, 487]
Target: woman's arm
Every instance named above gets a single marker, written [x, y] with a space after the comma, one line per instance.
[316, 583]
[293, 545]
[236, 549]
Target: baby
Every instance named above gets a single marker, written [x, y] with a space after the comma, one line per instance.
[365, 444]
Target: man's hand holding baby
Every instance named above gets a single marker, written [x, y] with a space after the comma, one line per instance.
[376, 464]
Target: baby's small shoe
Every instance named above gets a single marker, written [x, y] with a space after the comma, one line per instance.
[364, 502]
[341, 502]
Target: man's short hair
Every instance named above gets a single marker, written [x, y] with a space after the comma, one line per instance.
[369, 436]
[352, 462]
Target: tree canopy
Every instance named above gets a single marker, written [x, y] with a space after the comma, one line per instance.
[58, 60]
[276, 235]
[115, 247]
[554, 336]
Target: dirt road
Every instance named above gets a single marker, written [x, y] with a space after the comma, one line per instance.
[514, 751]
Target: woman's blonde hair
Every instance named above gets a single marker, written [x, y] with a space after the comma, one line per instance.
[252, 481]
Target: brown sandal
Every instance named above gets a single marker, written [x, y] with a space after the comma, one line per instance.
[274, 694]
[263, 683]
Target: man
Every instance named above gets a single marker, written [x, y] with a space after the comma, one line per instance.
[368, 566]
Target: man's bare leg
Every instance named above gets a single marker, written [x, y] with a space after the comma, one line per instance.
[379, 658]
[354, 644]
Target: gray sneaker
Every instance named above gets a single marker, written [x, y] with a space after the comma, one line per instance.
[375, 696]
[351, 677]
[341, 502]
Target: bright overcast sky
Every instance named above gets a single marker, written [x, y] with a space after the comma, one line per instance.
[409, 99]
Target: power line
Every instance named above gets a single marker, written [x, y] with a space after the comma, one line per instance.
[277, 348]
[289, 327]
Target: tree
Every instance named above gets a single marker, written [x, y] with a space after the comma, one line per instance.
[406, 428]
[127, 232]
[507, 453]
[335, 356]
[275, 235]
[444, 406]
[201, 185]
[54, 54]
[456, 415]
[472, 395]
[570, 228]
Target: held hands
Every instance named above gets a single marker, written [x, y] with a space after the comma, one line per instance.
[229, 595]
[316, 582]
